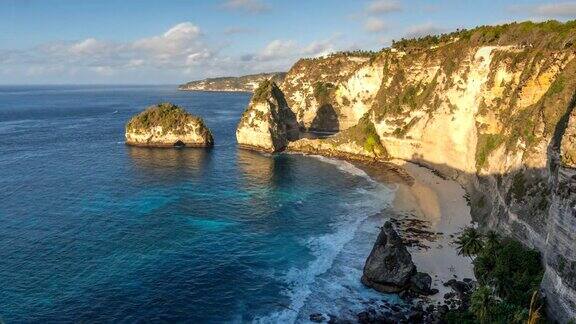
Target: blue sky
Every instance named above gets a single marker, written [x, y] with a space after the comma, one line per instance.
[159, 42]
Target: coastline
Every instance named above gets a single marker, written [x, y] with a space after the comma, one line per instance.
[429, 211]
[215, 90]
[441, 206]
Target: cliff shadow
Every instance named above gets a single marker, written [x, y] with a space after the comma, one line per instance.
[536, 206]
[326, 120]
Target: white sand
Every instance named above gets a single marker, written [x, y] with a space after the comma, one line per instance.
[442, 203]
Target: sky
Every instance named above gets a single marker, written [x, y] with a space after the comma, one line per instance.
[175, 41]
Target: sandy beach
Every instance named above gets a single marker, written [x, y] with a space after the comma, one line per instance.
[431, 211]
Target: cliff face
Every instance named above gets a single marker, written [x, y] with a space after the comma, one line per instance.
[268, 124]
[167, 125]
[491, 108]
[332, 93]
[246, 83]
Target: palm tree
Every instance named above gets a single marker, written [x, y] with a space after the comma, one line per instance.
[481, 302]
[470, 242]
[492, 239]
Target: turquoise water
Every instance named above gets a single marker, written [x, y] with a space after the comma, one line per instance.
[92, 230]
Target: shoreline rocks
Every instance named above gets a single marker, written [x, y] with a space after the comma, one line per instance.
[390, 269]
[167, 125]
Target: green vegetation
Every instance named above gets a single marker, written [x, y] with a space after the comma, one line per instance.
[482, 302]
[485, 145]
[263, 91]
[512, 270]
[397, 98]
[170, 117]
[557, 86]
[322, 92]
[470, 242]
[548, 34]
[372, 140]
[364, 134]
[509, 276]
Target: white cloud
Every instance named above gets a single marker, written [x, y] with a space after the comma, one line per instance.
[181, 53]
[180, 47]
[423, 30]
[318, 48]
[375, 25]
[277, 49]
[180, 39]
[559, 9]
[89, 46]
[248, 6]
[383, 6]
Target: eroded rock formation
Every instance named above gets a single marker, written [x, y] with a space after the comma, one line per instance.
[389, 267]
[167, 125]
[491, 107]
[267, 124]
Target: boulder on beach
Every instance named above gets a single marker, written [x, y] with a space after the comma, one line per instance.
[389, 267]
[421, 283]
[167, 125]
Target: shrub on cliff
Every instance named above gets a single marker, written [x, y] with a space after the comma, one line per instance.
[513, 270]
[322, 92]
[170, 117]
[364, 135]
[261, 93]
[508, 274]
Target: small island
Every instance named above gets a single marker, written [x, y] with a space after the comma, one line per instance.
[167, 125]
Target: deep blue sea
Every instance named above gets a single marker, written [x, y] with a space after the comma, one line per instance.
[92, 230]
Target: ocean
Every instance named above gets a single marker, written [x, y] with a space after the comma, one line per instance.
[92, 230]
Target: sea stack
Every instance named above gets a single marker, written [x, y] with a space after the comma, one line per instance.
[167, 125]
[389, 267]
[267, 124]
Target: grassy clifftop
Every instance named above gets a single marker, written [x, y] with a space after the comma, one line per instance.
[170, 117]
[550, 34]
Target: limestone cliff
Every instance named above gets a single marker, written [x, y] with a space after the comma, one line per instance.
[245, 83]
[268, 124]
[167, 125]
[490, 107]
[360, 142]
[332, 93]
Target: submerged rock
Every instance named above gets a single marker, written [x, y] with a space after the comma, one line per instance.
[267, 124]
[167, 125]
[389, 266]
[317, 318]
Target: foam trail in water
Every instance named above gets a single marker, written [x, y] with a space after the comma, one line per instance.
[332, 247]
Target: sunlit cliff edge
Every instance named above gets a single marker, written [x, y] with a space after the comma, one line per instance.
[491, 107]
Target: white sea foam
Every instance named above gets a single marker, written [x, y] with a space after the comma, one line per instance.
[331, 282]
[345, 166]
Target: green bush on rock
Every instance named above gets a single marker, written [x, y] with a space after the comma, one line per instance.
[170, 117]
